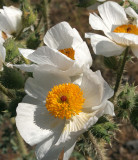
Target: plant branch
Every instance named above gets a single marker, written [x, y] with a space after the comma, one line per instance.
[97, 150]
[120, 72]
[23, 148]
[46, 15]
[6, 92]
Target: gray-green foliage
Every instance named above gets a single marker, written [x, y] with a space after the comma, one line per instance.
[104, 129]
[12, 50]
[28, 16]
[134, 114]
[12, 78]
[126, 101]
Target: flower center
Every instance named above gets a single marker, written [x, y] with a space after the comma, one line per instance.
[128, 28]
[68, 52]
[65, 100]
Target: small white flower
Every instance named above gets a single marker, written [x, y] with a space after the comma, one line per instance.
[10, 20]
[116, 26]
[65, 50]
[56, 110]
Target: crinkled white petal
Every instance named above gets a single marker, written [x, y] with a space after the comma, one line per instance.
[35, 124]
[135, 50]
[2, 56]
[44, 79]
[26, 52]
[83, 55]
[125, 39]
[104, 46]
[76, 125]
[105, 107]
[97, 23]
[95, 90]
[48, 150]
[46, 55]
[61, 36]
[92, 88]
[68, 151]
[107, 92]
[131, 12]
[34, 90]
[10, 19]
[26, 67]
[112, 14]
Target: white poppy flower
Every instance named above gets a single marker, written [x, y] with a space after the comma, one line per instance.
[56, 110]
[65, 50]
[2, 56]
[116, 26]
[10, 20]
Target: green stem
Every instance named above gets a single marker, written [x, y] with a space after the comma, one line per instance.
[46, 15]
[6, 92]
[98, 154]
[120, 72]
[19, 34]
[23, 148]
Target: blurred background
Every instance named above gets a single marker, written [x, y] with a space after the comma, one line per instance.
[124, 146]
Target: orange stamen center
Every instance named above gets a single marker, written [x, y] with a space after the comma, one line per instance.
[128, 28]
[65, 100]
[68, 52]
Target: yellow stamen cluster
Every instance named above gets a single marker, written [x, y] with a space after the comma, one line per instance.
[65, 100]
[68, 52]
[128, 28]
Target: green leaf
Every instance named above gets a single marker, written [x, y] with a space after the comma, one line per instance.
[12, 78]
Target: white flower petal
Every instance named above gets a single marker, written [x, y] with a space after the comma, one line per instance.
[46, 55]
[34, 90]
[131, 12]
[26, 67]
[26, 52]
[107, 92]
[35, 124]
[61, 36]
[125, 39]
[109, 109]
[104, 108]
[112, 14]
[48, 151]
[92, 88]
[97, 23]
[83, 55]
[44, 79]
[2, 53]
[14, 16]
[135, 50]
[4, 23]
[68, 151]
[104, 46]
[10, 18]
